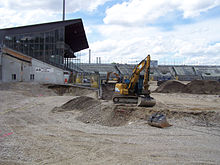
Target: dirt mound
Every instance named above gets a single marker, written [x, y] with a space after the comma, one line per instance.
[171, 86]
[82, 103]
[72, 90]
[92, 111]
[203, 87]
[108, 114]
[107, 91]
[194, 87]
[97, 112]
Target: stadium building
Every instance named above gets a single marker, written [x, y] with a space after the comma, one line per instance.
[40, 52]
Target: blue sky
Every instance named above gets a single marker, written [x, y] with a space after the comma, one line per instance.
[125, 31]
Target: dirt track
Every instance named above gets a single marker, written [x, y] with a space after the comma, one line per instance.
[40, 136]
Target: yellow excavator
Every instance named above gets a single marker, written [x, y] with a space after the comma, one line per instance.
[136, 90]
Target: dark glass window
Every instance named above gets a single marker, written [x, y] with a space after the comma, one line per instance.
[13, 76]
[31, 76]
[46, 46]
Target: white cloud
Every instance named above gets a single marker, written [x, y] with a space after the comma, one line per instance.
[11, 18]
[53, 5]
[94, 4]
[146, 11]
[23, 12]
[88, 5]
[192, 8]
[187, 44]
[190, 44]
[88, 30]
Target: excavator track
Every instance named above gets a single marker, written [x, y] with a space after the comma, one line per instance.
[125, 99]
[141, 101]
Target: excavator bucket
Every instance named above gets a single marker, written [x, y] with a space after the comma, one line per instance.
[146, 101]
[158, 120]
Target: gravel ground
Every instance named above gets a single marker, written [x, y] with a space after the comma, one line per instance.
[30, 133]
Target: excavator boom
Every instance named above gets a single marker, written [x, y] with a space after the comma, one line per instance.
[136, 73]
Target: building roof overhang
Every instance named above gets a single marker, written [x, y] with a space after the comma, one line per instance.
[75, 35]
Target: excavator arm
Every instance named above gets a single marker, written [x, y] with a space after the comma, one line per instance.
[145, 99]
[144, 64]
[147, 74]
[136, 73]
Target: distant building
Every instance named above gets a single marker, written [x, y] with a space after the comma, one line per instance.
[40, 52]
[154, 63]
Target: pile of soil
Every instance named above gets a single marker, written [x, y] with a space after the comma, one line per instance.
[171, 86]
[107, 116]
[82, 103]
[203, 87]
[105, 113]
[97, 112]
[194, 87]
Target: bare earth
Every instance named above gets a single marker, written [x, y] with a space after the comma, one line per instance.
[31, 133]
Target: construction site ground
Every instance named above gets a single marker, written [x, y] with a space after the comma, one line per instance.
[52, 124]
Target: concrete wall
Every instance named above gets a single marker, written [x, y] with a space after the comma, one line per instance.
[0, 65]
[10, 66]
[40, 71]
[0, 73]
[46, 73]
[0, 57]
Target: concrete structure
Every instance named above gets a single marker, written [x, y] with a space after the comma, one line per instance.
[154, 63]
[40, 52]
[185, 73]
[208, 72]
[162, 72]
[125, 69]
[17, 70]
[102, 69]
[0, 63]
